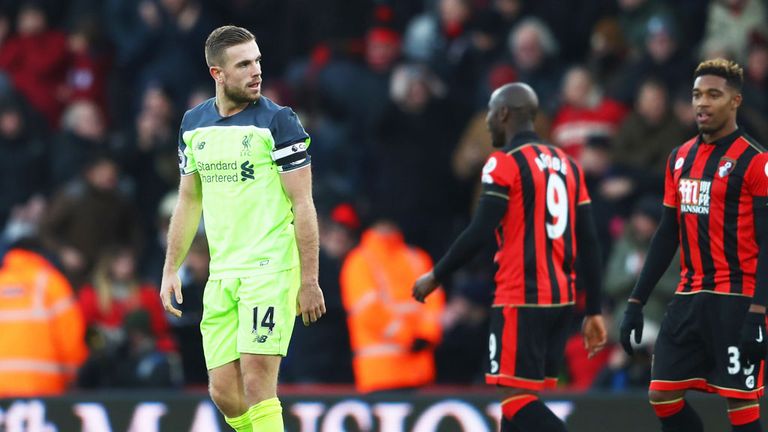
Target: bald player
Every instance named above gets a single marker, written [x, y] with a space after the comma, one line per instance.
[535, 199]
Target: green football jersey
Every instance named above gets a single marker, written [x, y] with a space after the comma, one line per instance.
[247, 214]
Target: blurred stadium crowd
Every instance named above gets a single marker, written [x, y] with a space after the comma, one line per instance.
[393, 94]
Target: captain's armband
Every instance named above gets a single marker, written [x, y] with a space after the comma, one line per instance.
[291, 157]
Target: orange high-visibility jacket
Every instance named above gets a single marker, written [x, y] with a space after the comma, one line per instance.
[42, 331]
[384, 320]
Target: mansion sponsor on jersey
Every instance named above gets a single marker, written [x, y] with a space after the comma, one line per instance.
[694, 196]
[219, 172]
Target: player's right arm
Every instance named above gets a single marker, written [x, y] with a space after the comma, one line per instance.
[497, 178]
[662, 250]
[665, 241]
[660, 254]
[184, 223]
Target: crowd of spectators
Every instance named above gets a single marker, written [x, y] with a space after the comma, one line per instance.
[393, 94]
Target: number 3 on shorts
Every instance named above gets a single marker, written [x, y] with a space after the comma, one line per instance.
[268, 321]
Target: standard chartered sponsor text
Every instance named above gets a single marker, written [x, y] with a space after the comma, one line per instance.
[220, 165]
[218, 177]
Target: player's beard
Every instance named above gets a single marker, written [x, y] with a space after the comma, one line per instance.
[239, 95]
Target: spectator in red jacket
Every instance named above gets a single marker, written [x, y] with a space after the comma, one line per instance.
[35, 58]
[114, 293]
[585, 112]
[129, 337]
[87, 67]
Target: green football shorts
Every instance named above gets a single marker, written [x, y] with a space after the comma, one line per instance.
[253, 315]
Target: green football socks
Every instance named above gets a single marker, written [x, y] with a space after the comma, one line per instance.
[241, 423]
[267, 416]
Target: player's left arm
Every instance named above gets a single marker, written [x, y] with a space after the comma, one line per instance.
[298, 187]
[293, 162]
[589, 271]
[589, 263]
[757, 182]
[760, 299]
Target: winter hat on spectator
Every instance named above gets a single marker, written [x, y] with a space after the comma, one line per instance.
[384, 35]
[659, 24]
[344, 214]
[500, 75]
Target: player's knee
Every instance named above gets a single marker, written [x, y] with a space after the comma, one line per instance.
[223, 397]
[218, 395]
[258, 389]
[259, 385]
[260, 377]
[657, 396]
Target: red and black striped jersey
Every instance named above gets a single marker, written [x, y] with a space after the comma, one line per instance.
[537, 236]
[712, 187]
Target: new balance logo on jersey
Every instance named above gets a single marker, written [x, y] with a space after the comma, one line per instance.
[201, 145]
[247, 171]
[694, 196]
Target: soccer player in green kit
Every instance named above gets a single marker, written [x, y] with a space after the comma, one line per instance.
[244, 165]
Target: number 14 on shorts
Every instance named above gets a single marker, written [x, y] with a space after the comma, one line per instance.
[267, 321]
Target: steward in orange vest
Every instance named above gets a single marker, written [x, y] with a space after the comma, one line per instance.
[42, 331]
[392, 336]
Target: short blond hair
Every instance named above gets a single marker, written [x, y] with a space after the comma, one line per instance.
[727, 69]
